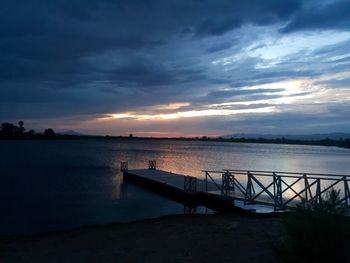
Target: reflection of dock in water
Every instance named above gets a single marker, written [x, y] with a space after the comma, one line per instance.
[220, 189]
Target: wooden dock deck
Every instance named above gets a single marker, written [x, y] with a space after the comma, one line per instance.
[173, 186]
[169, 179]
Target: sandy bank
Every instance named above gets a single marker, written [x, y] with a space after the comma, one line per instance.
[184, 238]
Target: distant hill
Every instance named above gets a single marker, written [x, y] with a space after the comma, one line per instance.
[70, 132]
[307, 137]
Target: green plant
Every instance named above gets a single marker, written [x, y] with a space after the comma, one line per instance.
[316, 232]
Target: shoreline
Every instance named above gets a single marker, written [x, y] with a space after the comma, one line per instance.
[187, 238]
[237, 211]
[344, 144]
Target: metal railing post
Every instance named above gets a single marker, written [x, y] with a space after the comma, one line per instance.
[206, 182]
[306, 187]
[228, 183]
[190, 184]
[223, 185]
[249, 188]
[318, 191]
[152, 164]
[346, 191]
[123, 166]
[277, 188]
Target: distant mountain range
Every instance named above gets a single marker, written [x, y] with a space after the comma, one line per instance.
[308, 137]
[70, 132]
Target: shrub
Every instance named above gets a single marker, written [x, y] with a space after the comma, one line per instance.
[316, 233]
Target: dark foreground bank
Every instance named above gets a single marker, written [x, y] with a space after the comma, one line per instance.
[182, 238]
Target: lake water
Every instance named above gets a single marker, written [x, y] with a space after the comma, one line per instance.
[55, 185]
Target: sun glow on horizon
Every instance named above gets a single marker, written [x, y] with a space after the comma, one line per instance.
[186, 114]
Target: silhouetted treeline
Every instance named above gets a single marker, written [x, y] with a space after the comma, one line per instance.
[11, 131]
[345, 143]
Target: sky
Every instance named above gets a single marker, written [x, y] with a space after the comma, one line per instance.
[176, 68]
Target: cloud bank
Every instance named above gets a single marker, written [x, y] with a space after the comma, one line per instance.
[230, 66]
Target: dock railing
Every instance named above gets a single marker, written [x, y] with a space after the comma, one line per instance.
[124, 166]
[152, 164]
[190, 184]
[209, 178]
[280, 189]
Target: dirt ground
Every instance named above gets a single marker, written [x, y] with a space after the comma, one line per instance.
[181, 238]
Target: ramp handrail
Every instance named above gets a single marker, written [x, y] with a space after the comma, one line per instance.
[276, 184]
[207, 175]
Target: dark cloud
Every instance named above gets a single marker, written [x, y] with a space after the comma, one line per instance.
[282, 123]
[225, 16]
[240, 92]
[219, 47]
[321, 15]
[217, 28]
[85, 57]
[143, 74]
[341, 109]
[335, 83]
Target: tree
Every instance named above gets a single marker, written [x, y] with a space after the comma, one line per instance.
[21, 128]
[31, 133]
[49, 133]
[8, 130]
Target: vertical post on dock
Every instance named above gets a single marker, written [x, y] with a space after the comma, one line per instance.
[190, 210]
[318, 192]
[206, 181]
[249, 189]
[123, 166]
[190, 184]
[223, 183]
[228, 183]
[152, 164]
[346, 191]
[277, 187]
[306, 185]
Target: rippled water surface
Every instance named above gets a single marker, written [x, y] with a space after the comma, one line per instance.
[54, 185]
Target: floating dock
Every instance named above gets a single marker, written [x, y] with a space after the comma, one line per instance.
[186, 189]
[241, 188]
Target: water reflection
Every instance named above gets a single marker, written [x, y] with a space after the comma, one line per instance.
[192, 157]
[50, 185]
